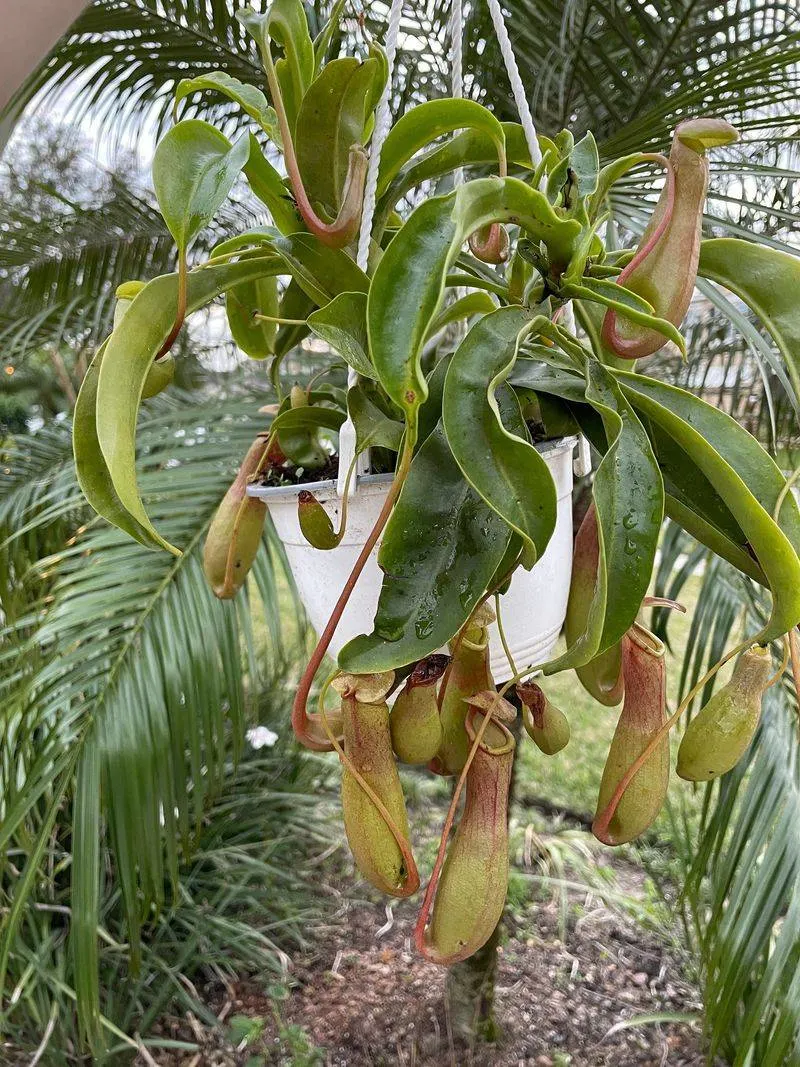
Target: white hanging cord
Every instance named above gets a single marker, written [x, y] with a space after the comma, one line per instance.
[457, 49]
[456, 33]
[457, 61]
[526, 118]
[517, 88]
[383, 122]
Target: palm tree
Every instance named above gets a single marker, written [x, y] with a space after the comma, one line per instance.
[630, 73]
[126, 688]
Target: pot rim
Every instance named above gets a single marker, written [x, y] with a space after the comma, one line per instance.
[376, 482]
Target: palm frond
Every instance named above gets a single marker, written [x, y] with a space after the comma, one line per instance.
[742, 877]
[121, 60]
[630, 72]
[242, 902]
[61, 272]
[134, 672]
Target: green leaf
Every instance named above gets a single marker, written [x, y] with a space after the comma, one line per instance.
[194, 170]
[768, 281]
[343, 325]
[591, 315]
[464, 308]
[612, 173]
[629, 495]
[323, 39]
[614, 291]
[746, 478]
[629, 499]
[332, 119]
[584, 161]
[285, 23]
[694, 522]
[373, 426]
[690, 498]
[686, 483]
[470, 148]
[321, 272]
[610, 295]
[123, 370]
[431, 411]
[496, 459]
[297, 433]
[409, 282]
[268, 186]
[248, 97]
[421, 125]
[242, 303]
[90, 465]
[441, 547]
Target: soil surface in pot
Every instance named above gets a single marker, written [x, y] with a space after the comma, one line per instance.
[287, 474]
[276, 477]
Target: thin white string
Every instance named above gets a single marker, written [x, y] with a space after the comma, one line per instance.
[456, 30]
[517, 88]
[457, 60]
[457, 48]
[523, 108]
[383, 122]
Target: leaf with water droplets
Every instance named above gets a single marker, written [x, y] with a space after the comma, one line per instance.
[628, 493]
[746, 478]
[497, 458]
[439, 553]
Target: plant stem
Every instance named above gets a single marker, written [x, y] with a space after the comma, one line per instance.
[276, 318]
[180, 314]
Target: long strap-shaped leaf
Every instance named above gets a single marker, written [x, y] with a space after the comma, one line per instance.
[90, 465]
[320, 271]
[629, 499]
[439, 553]
[473, 147]
[746, 478]
[420, 126]
[123, 368]
[689, 497]
[769, 283]
[505, 469]
[409, 282]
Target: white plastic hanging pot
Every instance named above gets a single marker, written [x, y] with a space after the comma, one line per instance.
[533, 609]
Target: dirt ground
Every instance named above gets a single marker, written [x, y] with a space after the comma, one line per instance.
[361, 997]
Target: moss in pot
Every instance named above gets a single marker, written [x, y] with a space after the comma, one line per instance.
[472, 500]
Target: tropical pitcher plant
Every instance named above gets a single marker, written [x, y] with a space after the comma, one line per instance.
[472, 499]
